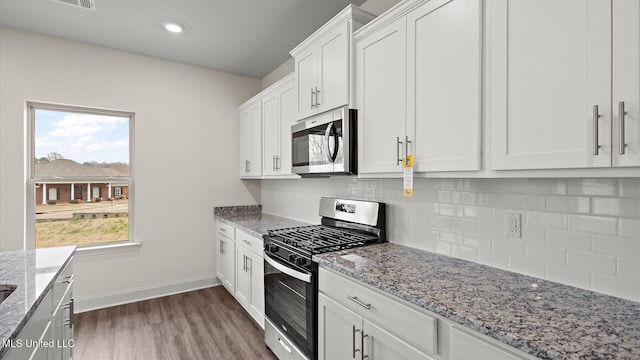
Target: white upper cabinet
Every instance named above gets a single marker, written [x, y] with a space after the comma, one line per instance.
[444, 69]
[251, 139]
[554, 91]
[381, 97]
[323, 63]
[418, 88]
[278, 114]
[626, 83]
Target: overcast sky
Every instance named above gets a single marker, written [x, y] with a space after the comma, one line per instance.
[82, 137]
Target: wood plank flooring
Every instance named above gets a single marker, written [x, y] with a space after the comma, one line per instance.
[202, 324]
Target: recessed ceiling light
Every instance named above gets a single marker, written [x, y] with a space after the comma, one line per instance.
[173, 27]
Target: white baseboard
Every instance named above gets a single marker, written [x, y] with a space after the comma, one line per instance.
[129, 296]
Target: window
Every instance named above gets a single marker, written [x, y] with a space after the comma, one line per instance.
[81, 175]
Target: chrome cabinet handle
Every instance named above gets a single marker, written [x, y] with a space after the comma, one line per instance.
[406, 150]
[312, 102]
[621, 114]
[273, 163]
[249, 263]
[353, 338]
[357, 301]
[596, 117]
[362, 355]
[278, 163]
[398, 142]
[223, 230]
[221, 250]
[317, 97]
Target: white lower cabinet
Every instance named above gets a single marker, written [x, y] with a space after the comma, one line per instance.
[48, 334]
[226, 249]
[250, 275]
[356, 321]
[346, 335]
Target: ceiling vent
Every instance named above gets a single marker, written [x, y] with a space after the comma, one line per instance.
[84, 4]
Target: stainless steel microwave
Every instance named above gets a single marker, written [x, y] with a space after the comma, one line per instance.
[326, 144]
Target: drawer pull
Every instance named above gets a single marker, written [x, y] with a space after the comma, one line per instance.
[353, 338]
[357, 301]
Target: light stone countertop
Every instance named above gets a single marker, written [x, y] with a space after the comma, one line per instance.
[33, 272]
[547, 320]
[252, 220]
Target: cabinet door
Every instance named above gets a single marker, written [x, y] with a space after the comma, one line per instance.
[255, 267]
[227, 264]
[255, 161]
[333, 72]
[243, 277]
[306, 75]
[337, 335]
[245, 142]
[626, 81]
[472, 347]
[380, 344]
[444, 65]
[270, 132]
[549, 65]
[381, 98]
[288, 100]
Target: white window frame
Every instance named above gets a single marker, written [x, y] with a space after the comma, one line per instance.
[32, 180]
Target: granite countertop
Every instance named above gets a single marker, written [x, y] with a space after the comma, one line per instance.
[33, 272]
[252, 220]
[542, 318]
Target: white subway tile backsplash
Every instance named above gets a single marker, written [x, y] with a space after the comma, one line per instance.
[580, 232]
[616, 286]
[494, 200]
[629, 268]
[629, 187]
[546, 254]
[478, 241]
[592, 187]
[476, 212]
[615, 246]
[509, 185]
[464, 252]
[568, 239]
[565, 275]
[629, 228]
[478, 185]
[593, 224]
[546, 186]
[527, 266]
[568, 204]
[548, 220]
[628, 208]
[591, 262]
[527, 202]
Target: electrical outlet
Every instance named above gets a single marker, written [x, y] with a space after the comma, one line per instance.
[512, 225]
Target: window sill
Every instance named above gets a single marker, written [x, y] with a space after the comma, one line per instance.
[107, 249]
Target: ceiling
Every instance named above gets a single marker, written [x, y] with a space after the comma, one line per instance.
[247, 37]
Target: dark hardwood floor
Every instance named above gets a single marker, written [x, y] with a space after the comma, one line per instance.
[202, 324]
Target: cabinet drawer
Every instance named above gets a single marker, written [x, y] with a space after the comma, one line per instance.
[62, 283]
[412, 326]
[225, 230]
[252, 243]
[465, 346]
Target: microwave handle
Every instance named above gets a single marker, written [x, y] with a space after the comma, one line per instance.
[327, 135]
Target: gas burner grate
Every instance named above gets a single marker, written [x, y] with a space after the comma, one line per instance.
[315, 239]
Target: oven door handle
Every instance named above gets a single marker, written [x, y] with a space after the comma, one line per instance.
[291, 272]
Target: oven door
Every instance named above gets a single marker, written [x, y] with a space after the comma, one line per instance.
[290, 302]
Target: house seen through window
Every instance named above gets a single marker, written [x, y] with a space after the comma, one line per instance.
[81, 175]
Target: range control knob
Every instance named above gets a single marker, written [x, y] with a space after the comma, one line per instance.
[301, 261]
[273, 248]
[292, 258]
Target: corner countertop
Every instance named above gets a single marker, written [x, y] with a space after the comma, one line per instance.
[542, 318]
[252, 220]
[33, 272]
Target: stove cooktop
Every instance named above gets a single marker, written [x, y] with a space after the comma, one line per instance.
[316, 239]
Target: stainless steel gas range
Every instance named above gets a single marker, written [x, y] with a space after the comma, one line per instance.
[290, 282]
